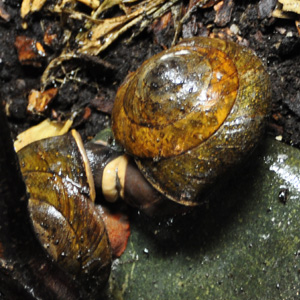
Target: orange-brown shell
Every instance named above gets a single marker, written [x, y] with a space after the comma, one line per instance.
[61, 207]
[190, 112]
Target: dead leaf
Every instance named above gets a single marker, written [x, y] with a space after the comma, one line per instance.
[45, 129]
[286, 9]
[223, 12]
[29, 51]
[290, 6]
[38, 101]
[298, 26]
[49, 37]
[30, 6]
[91, 3]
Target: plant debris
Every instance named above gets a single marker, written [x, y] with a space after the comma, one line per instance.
[100, 32]
[38, 101]
[290, 6]
[223, 12]
[30, 51]
[288, 9]
[43, 130]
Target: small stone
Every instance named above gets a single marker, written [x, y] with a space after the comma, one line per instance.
[235, 29]
[265, 8]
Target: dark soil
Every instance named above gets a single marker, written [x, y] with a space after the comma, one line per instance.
[276, 41]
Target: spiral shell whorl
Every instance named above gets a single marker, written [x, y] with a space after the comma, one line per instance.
[183, 97]
[216, 128]
[61, 208]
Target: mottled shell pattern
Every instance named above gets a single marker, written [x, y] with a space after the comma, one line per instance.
[61, 206]
[192, 112]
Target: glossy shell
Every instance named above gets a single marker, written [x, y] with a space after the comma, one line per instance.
[61, 206]
[190, 113]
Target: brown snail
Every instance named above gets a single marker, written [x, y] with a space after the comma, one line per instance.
[184, 117]
[60, 183]
[190, 113]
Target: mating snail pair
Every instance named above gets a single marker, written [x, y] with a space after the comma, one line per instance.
[184, 118]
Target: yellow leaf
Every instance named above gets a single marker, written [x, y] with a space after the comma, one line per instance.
[291, 6]
[31, 6]
[45, 129]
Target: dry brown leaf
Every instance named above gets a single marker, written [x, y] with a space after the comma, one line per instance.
[105, 31]
[49, 37]
[298, 26]
[162, 23]
[29, 50]
[223, 12]
[38, 101]
[99, 32]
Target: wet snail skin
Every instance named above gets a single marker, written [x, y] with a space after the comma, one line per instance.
[186, 116]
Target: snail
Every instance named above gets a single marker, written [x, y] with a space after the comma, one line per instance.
[184, 118]
[61, 188]
[190, 113]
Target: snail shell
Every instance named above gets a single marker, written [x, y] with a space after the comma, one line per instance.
[61, 189]
[190, 113]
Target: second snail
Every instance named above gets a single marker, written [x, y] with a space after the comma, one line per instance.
[186, 117]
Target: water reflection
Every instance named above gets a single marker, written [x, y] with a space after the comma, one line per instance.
[286, 172]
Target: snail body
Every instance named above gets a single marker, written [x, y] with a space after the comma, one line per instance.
[190, 113]
[184, 118]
